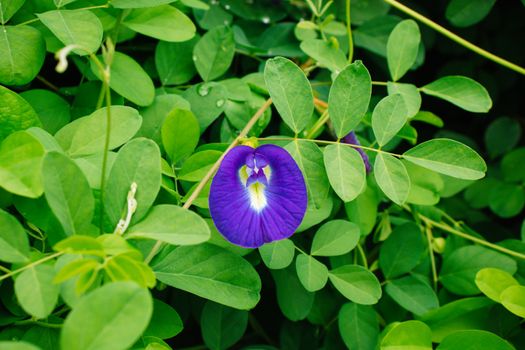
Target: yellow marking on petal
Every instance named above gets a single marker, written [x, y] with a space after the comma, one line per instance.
[243, 174]
[257, 196]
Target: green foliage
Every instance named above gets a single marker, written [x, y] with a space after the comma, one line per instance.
[413, 236]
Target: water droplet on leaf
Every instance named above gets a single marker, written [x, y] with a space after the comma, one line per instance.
[203, 90]
[265, 19]
[219, 103]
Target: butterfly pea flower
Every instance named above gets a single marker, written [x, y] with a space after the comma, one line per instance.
[257, 196]
[351, 139]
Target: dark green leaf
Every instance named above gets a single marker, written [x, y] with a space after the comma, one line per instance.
[413, 294]
[52, 110]
[294, 300]
[222, 326]
[464, 13]
[359, 326]
[15, 114]
[174, 61]
[14, 245]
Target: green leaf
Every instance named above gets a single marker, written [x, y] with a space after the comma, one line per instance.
[95, 323]
[312, 273]
[502, 135]
[326, 54]
[290, 91]
[461, 91]
[413, 335]
[139, 162]
[346, 171]
[492, 282]
[79, 244]
[165, 322]
[294, 300]
[35, 290]
[512, 165]
[154, 115]
[198, 165]
[401, 252]
[402, 48]
[123, 267]
[349, 98]
[363, 210]
[392, 177]
[466, 313]
[52, 110]
[222, 326]
[87, 135]
[15, 114]
[129, 79]
[23, 50]
[17, 345]
[174, 61]
[8, 8]
[20, 165]
[75, 268]
[171, 224]
[426, 186]
[507, 200]
[356, 283]
[309, 158]
[68, 193]
[474, 339]
[513, 298]
[213, 53]
[211, 272]
[358, 326]
[180, 134]
[460, 268]
[163, 22]
[448, 157]
[464, 13]
[389, 116]
[410, 95]
[336, 237]
[278, 254]
[208, 101]
[413, 294]
[75, 27]
[14, 245]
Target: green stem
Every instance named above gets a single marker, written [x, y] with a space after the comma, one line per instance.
[349, 33]
[428, 231]
[328, 143]
[28, 266]
[105, 154]
[318, 124]
[363, 255]
[455, 37]
[464, 235]
[39, 323]
[158, 245]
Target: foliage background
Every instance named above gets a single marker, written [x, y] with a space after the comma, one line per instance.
[64, 285]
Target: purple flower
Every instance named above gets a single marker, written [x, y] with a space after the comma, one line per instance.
[351, 139]
[257, 196]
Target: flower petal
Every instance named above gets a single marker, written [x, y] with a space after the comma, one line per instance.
[252, 215]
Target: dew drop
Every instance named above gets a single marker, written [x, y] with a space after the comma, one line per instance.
[227, 7]
[249, 2]
[203, 90]
[219, 103]
[265, 19]
[194, 58]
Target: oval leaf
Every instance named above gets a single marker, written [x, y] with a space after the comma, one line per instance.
[389, 116]
[448, 157]
[336, 237]
[346, 171]
[461, 91]
[213, 53]
[392, 177]
[349, 98]
[35, 290]
[356, 283]
[290, 91]
[402, 48]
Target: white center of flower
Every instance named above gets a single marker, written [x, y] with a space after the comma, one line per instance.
[257, 196]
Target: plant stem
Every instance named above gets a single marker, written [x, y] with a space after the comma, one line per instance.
[363, 255]
[213, 169]
[34, 263]
[47, 83]
[105, 154]
[464, 235]
[318, 124]
[329, 143]
[455, 37]
[428, 231]
[349, 33]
